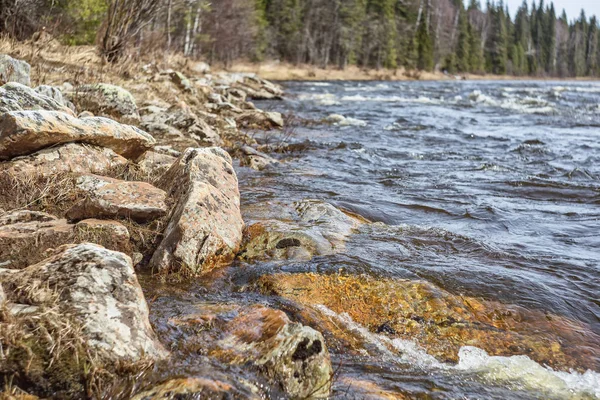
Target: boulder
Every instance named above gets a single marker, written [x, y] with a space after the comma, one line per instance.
[154, 164]
[12, 70]
[55, 94]
[98, 289]
[205, 225]
[107, 100]
[255, 159]
[301, 231]
[69, 158]
[200, 388]
[24, 216]
[260, 120]
[200, 67]
[105, 197]
[181, 81]
[193, 126]
[291, 356]
[27, 242]
[18, 97]
[25, 132]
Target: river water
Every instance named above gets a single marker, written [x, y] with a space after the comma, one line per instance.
[488, 189]
[484, 190]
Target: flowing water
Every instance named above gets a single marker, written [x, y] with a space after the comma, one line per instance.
[484, 189]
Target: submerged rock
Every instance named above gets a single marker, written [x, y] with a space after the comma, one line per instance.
[69, 158]
[17, 97]
[111, 198]
[292, 356]
[25, 132]
[205, 225]
[26, 237]
[255, 159]
[12, 70]
[311, 227]
[99, 290]
[107, 100]
[199, 388]
[436, 320]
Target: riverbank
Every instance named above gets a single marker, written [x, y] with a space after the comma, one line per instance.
[289, 72]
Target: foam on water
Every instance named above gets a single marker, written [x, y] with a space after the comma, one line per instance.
[324, 99]
[517, 372]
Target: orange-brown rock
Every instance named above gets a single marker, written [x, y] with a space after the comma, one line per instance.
[105, 197]
[25, 132]
[437, 320]
[154, 164]
[205, 225]
[289, 354]
[199, 388]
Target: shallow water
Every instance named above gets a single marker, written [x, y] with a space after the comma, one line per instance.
[484, 189]
[487, 189]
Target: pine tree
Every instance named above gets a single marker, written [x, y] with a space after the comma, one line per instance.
[424, 47]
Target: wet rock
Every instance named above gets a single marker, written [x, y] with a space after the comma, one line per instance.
[27, 240]
[155, 164]
[367, 390]
[255, 159]
[12, 70]
[108, 101]
[98, 288]
[260, 120]
[18, 97]
[199, 388]
[69, 158]
[436, 320]
[205, 225]
[113, 198]
[301, 231]
[292, 356]
[25, 132]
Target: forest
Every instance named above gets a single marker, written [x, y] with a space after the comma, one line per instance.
[441, 35]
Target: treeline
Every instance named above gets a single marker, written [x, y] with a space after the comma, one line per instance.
[414, 34]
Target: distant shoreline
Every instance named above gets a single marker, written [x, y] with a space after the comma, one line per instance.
[289, 72]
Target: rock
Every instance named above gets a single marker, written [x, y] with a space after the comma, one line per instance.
[113, 198]
[25, 132]
[107, 100]
[55, 94]
[26, 241]
[200, 67]
[301, 231]
[259, 120]
[155, 164]
[85, 114]
[205, 225]
[438, 321]
[180, 80]
[190, 124]
[69, 158]
[199, 388]
[98, 288]
[23, 216]
[12, 70]
[255, 159]
[291, 354]
[18, 97]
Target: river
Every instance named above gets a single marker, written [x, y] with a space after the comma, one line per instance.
[483, 189]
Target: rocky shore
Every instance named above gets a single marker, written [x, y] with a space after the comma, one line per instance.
[120, 202]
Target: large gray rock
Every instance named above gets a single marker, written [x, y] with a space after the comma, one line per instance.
[12, 70]
[106, 100]
[25, 132]
[105, 197]
[255, 159]
[205, 225]
[73, 158]
[98, 288]
[18, 97]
